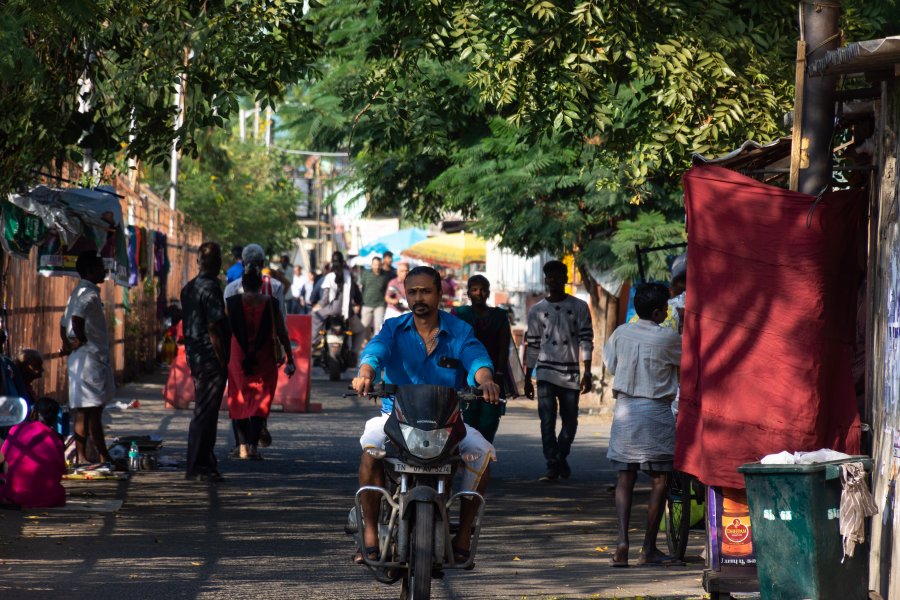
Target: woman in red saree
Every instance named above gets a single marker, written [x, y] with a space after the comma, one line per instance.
[256, 325]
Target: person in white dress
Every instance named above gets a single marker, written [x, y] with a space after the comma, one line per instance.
[86, 342]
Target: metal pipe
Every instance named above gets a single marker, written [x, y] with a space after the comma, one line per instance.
[820, 29]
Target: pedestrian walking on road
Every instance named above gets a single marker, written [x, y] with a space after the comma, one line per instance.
[644, 358]
[86, 342]
[253, 254]
[387, 264]
[305, 292]
[491, 326]
[395, 297]
[206, 342]
[257, 325]
[236, 270]
[559, 333]
[296, 305]
[374, 286]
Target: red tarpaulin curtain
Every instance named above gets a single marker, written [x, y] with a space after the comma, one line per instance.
[769, 323]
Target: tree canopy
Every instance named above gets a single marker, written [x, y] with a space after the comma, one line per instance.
[236, 192]
[132, 53]
[549, 122]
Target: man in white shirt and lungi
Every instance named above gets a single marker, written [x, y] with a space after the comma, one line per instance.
[644, 358]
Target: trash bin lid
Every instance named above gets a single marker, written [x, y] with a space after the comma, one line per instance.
[757, 468]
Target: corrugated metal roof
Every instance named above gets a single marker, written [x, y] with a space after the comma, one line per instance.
[750, 156]
[859, 57]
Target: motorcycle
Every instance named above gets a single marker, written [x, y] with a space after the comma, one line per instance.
[337, 356]
[421, 455]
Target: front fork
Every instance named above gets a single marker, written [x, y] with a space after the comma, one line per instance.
[401, 516]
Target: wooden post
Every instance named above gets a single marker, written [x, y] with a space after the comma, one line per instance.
[820, 30]
[798, 153]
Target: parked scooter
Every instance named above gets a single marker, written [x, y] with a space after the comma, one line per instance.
[337, 355]
[420, 457]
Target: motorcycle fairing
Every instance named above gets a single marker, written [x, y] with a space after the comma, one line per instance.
[429, 408]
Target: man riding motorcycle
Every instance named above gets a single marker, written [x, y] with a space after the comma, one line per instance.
[340, 298]
[427, 346]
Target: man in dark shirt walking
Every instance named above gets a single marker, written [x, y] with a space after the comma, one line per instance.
[206, 341]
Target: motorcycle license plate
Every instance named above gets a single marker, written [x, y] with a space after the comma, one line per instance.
[405, 468]
[334, 339]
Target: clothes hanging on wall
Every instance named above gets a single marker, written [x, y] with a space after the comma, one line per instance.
[132, 256]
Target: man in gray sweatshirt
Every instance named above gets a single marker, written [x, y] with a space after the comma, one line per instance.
[560, 334]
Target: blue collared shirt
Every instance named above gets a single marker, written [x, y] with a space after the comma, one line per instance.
[398, 351]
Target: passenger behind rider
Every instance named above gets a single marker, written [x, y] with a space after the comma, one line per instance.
[422, 340]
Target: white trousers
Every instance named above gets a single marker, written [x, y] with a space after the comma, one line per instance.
[372, 316]
[473, 444]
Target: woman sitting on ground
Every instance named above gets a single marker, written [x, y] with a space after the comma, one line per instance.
[35, 460]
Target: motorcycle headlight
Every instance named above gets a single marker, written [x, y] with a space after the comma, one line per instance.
[424, 444]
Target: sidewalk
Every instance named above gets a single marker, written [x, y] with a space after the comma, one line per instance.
[274, 528]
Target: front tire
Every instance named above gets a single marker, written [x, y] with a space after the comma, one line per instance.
[333, 364]
[678, 513]
[419, 586]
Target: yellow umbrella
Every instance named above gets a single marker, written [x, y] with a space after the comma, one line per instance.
[450, 250]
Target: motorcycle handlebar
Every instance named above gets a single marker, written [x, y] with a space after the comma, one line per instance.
[466, 394]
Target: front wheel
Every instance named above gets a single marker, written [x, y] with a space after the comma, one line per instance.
[418, 586]
[333, 364]
[678, 513]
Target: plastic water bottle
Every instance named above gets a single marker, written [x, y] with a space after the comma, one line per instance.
[134, 457]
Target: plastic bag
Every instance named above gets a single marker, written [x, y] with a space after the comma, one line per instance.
[803, 458]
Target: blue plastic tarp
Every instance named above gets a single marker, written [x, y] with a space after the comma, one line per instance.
[396, 242]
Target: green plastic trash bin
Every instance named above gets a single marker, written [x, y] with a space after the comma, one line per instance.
[794, 520]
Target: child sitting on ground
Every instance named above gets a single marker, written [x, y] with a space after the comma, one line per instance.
[644, 358]
[35, 461]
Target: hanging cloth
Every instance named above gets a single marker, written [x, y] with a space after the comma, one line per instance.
[132, 256]
[769, 323]
[857, 504]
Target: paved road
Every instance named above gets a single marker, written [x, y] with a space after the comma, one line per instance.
[274, 528]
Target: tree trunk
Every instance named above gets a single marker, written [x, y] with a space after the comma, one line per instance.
[604, 317]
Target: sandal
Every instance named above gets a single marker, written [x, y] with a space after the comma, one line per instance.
[658, 560]
[265, 438]
[371, 554]
[462, 556]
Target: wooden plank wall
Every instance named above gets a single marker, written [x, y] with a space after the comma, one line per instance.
[35, 304]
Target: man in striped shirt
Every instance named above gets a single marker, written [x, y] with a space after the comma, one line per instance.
[560, 333]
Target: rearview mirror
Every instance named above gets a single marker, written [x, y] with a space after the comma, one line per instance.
[13, 410]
